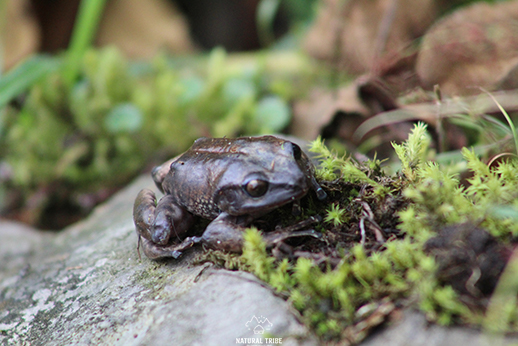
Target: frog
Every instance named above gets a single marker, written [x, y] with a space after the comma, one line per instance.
[230, 181]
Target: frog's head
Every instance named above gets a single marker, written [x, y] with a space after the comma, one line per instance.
[268, 175]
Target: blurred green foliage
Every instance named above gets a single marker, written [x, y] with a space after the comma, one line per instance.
[107, 126]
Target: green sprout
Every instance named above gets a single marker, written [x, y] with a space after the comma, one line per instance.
[412, 152]
[336, 215]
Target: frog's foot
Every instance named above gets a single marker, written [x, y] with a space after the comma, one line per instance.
[154, 251]
[226, 233]
[157, 224]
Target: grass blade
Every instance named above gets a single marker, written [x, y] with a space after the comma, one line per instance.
[23, 76]
[88, 17]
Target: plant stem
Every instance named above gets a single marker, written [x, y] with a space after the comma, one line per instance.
[88, 17]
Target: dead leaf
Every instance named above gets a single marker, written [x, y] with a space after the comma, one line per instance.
[338, 114]
[476, 46]
[142, 28]
[364, 36]
[312, 115]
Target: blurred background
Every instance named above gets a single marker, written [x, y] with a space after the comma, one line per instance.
[95, 92]
[140, 29]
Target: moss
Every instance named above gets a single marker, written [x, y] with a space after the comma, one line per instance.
[426, 202]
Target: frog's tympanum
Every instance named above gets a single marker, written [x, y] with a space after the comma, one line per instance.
[228, 181]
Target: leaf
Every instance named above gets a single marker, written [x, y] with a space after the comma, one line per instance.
[504, 211]
[125, 117]
[86, 25]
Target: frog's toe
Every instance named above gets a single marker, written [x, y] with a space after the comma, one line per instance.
[273, 238]
[155, 251]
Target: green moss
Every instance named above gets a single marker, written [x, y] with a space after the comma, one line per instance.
[331, 298]
[336, 215]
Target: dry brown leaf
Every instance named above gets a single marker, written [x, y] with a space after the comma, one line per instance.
[364, 36]
[142, 28]
[313, 115]
[476, 46]
[339, 113]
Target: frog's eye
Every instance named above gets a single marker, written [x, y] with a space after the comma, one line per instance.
[296, 151]
[256, 187]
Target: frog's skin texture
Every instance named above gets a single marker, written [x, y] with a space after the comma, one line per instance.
[229, 181]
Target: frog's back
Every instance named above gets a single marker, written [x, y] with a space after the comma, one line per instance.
[235, 146]
[197, 175]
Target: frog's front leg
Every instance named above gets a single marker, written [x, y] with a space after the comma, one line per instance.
[157, 223]
[225, 233]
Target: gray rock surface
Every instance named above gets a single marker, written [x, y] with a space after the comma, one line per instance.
[87, 286]
[414, 330]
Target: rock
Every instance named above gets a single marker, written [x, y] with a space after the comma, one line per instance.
[87, 285]
[414, 330]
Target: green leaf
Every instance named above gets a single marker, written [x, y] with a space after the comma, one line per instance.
[86, 25]
[272, 114]
[25, 75]
[266, 11]
[504, 211]
[126, 117]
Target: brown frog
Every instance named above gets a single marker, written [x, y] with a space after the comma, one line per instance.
[229, 181]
